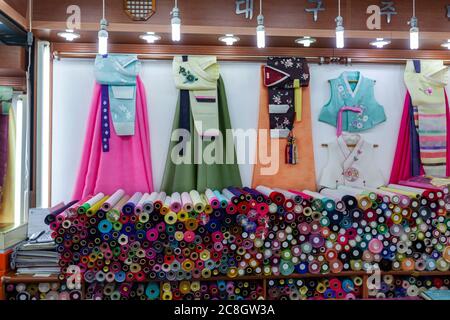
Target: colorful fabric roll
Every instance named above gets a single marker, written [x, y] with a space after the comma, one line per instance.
[40, 291]
[395, 287]
[214, 290]
[253, 232]
[315, 289]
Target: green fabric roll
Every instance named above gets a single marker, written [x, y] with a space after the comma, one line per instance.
[84, 208]
[191, 176]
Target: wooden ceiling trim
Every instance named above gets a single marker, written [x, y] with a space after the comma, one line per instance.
[218, 30]
[13, 14]
[249, 53]
[18, 83]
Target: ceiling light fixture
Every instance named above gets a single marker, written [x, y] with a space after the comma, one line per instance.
[380, 42]
[339, 28]
[176, 23]
[150, 37]
[69, 35]
[260, 29]
[306, 41]
[446, 44]
[229, 39]
[103, 35]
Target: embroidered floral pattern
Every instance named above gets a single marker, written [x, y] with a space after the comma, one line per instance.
[188, 76]
[428, 91]
[351, 174]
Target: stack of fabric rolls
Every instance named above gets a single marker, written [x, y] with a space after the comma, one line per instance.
[40, 291]
[317, 289]
[154, 236]
[122, 291]
[214, 290]
[263, 232]
[407, 286]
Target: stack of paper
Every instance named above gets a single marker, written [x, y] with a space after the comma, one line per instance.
[35, 258]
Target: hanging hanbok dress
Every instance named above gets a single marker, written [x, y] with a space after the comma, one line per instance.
[423, 139]
[116, 153]
[274, 171]
[201, 152]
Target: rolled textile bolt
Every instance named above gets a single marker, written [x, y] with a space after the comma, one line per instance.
[289, 195]
[275, 196]
[417, 191]
[159, 202]
[187, 202]
[166, 205]
[112, 201]
[223, 201]
[149, 202]
[230, 196]
[197, 201]
[128, 208]
[59, 210]
[175, 204]
[212, 199]
[83, 208]
[140, 205]
[93, 210]
[114, 213]
[207, 207]
[73, 211]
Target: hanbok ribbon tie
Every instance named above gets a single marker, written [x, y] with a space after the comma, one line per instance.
[340, 115]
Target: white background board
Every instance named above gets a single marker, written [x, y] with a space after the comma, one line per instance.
[72, 92]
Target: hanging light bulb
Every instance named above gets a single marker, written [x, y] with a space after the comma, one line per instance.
[414, 31]
[176, 23]
[339, 28]
[103, 35]
[260, 29]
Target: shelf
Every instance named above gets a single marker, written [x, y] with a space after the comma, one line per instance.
[20, 278]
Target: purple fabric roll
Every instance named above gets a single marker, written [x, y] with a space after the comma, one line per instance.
[3, 151]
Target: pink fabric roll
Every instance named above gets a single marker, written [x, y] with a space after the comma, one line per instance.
[127, 165]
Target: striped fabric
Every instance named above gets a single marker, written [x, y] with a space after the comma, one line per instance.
[432, 129]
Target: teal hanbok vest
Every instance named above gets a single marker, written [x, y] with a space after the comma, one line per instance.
[351, 89]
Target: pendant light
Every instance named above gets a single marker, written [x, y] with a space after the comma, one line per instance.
[176, 23]
[339, 28]
[103, 35]
[414, 31]
[260, 30]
